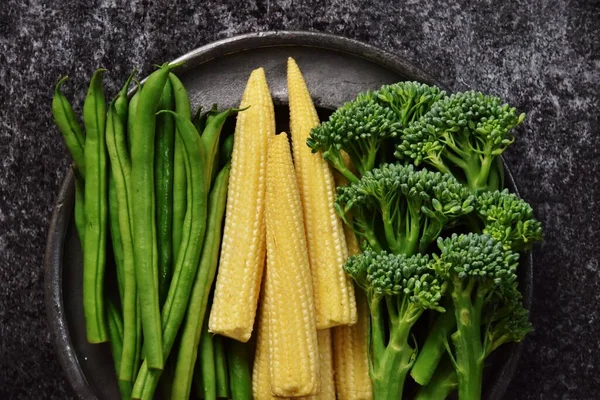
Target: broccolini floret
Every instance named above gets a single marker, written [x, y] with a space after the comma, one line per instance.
[409, 100]
[359, 128]
[504, 321]
[509, 219]
[397, 208]
[399, 289]
[462, 134]
[365, 127]
[478, 270]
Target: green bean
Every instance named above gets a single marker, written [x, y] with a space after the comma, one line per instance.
[94, 254]
[199, 119]
[130, 123]
[115, 334]
[240, 370]
[185, 269]
[221, 367]
[122, 101]
[196, 312]
[226, 149]
[198, 383]
[143, 223]
[67, 123]
[210, 137]
[138, 349]
[182, 107]
[74, 137]
[163, 168]
[121, 176]
[80, 208]
[131, 112]
[115, 231]
[207, 364]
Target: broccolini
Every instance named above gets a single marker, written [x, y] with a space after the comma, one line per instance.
[399, 289]
[366, 126]
[462, 135]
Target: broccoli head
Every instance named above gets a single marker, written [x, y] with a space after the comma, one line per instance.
[409, 100]
[478, 269]
[399, 289]
[398, 208]
[359, 128]
[509, 219]
[365, 127]
[462, 134]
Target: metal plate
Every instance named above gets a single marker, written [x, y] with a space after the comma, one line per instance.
[336, 69]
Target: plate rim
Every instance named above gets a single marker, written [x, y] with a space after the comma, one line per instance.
[53, 296]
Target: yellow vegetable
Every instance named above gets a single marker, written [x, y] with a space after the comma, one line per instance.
[261, 382]
[243, 247]
[333, 289]
[351, 363]
[293, 350]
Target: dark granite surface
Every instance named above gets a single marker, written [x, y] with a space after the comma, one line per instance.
[541, 56]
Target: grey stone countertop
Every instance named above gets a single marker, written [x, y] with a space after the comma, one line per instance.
[542, 56]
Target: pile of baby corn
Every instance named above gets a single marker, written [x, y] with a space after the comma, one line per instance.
[281, 277]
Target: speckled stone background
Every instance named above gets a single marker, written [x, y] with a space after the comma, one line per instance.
[541, 56]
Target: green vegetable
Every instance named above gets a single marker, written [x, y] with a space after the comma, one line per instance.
[443, 383]
[359, 128]
[506, 218]
[182, 107]
[221, 371]
[131, 112]
[115, 232]
[210, 138]
[121, 225]
[239, 361]
[462, 135]
[122, 100]
[196, 311]
[207, 364]
[505, 320]
[143, 223]
[115, 334]
[79, 209]
[185, 269]
[366, 126]
[409, 100]
[94, 248]
[398, 289]
[400, 209]
[478, 270]
[163, 181]
[67, 123]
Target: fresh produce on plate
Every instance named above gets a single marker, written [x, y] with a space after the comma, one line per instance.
[371, 256]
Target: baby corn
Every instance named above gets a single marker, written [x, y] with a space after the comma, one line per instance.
[293, 349]
[333, 289]
[243, 247]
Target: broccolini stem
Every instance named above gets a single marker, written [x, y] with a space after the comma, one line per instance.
[480, 182]
[372, 239]
[433, 349]
[390, 233]
[412, 238]
[439, 165]
[469, 349]
[459, 162]
[392, 366]
[338, 163]
[377, 326]
[442, 384]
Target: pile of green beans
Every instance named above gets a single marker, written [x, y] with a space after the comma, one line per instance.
[150, 195]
